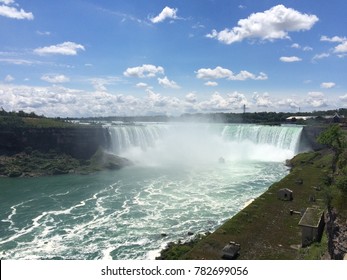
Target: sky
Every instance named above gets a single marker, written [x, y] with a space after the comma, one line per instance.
[88, 58]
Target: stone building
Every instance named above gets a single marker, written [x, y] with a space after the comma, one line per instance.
[285, 194]
[312, 226]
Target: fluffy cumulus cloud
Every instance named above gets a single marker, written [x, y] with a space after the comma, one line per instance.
[8, 8]
[270, 25]
[341, 48]
[297, 46]
[218, 102]
[62, 101]
[155, 100]
[211, 84]
[327, 85]
[262, 100]
[316, 100]
[144, 71]
[335, 39]
[191, 97]
[166, 13]
[343, 98]
[166, 83]
[288, 102]
[66, 48]
[289, 59]
[142, 85]
[55, 79]
[220, 73]
[217, 73]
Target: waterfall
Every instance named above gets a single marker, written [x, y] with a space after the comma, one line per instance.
[197, 143]
[124, 137]
[282, 137]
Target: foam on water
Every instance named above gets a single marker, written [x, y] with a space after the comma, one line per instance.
[134, 212]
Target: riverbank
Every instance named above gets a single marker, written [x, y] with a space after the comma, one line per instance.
[35, 163]
[265, 229]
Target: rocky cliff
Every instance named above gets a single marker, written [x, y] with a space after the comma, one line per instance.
[79, 142]
[309, 138]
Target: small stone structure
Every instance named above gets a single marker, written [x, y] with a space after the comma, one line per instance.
[285, 194]
[312, 225]
[231, 250]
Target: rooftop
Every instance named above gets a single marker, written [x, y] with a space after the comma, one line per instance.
[311, 217]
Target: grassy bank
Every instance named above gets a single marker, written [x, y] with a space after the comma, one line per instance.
[265, 229]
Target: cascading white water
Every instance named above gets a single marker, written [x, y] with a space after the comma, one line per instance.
[161, 144]
[176, 186]
[125, 137]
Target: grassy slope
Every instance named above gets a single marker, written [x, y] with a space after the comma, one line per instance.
[265, 229]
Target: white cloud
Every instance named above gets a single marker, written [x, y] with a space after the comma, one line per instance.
[17, 61]
[43, 33]
[167, 12]
[341, 48]
[211, 84]
[290, 59]
[144, 71]
[327, 85]
[13, 12]
[317, 99]
[343, 98]
[245, 75]
[269, 25]
[8, 79]
[7, 2]
[297, 46]
[220, 73]
[66, 48]
[316, 94]
[165, 82]
[320, 56]
[191, 97]
[100, 84]
[217, 73]
[262, 100]
[55, 79]
[335, 39]
[307, 48]
[218, 102]
[142, 85]
[156, 100]
[288, 102]
[61, 101]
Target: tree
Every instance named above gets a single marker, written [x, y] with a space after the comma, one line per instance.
[334, 138]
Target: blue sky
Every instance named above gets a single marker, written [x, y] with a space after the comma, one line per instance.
[136, 57]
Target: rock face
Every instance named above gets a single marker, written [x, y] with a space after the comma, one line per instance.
[79, 142]
[309, 138]
[337, 236]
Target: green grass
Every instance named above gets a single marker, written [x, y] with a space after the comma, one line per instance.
[20, 122]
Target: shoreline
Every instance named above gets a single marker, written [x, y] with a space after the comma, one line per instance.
[37, 164]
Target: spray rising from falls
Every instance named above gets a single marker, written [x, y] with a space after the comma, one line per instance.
[160, 144]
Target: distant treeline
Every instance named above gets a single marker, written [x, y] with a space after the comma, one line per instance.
[256, 117]
[21, 118]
